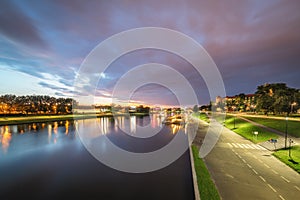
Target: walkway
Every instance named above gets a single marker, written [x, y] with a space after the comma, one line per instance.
[243, 170]
[281, 136]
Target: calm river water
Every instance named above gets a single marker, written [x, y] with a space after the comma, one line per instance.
[48, 161]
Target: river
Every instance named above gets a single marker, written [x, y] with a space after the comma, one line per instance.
[49, 161]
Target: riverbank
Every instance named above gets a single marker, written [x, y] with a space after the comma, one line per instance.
[206, 186]
[9, 120]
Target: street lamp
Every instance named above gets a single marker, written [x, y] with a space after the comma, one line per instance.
[293, 104]
[233, 107]
[286, 131]
[290, 146]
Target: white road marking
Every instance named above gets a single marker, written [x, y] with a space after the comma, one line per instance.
[272, 187]
[249, 166]
[297, 187]
[234, 145]
[254, 156]
[255, 146]
[285, 179]
[249, 146]
[230, 145]
[262, 178]
[274, 171]
[254, 171]
[245, 146]
[260, 147]
[260, 161]
[267, 165]
[244, 160]
[281, 197]
[229, 175]
[240, 156]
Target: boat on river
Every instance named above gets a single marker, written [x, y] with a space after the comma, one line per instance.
[176, 119]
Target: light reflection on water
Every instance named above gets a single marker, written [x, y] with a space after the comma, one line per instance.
[175, 128]
[22, 137]
[16, 139]
[5, 137]
[57, 165]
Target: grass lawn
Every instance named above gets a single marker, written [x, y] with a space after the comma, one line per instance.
[204, 117]
[39, 118]
[246, 130]
[294, 161]
[207, 188]
[279, 124]
[201, 116]
[45, 118]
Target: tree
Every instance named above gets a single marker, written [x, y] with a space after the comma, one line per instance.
[195, 109]
[240, 102]
[276, 98]
[35, 104]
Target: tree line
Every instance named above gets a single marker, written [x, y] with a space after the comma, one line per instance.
[277, 98]
[274, 98]
[35, 104]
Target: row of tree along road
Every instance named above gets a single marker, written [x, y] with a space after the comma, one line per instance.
[275, 98]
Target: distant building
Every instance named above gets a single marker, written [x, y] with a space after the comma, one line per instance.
[219, 100]
[241, 102]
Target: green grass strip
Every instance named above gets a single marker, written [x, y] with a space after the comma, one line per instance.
[293, 127]
[46, 118]
[247, 129]
[206, 186]
[201, 116]
[293, 161]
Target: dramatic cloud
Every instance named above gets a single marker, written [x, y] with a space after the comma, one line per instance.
[16, 26]
[252, 42]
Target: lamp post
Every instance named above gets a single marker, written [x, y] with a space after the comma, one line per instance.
[234, 122]
[293, 104]
[234, 117]
[290, 146]
[286, 132]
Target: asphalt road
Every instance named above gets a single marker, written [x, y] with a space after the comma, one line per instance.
[243, 170]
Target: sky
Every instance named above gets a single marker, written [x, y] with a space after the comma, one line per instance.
[43, 44]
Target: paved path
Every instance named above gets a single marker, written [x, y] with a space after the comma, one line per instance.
[243, 170]
[281, 136]
[266, 116]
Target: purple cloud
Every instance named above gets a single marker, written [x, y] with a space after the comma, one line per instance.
[17, 26]
[252, 42]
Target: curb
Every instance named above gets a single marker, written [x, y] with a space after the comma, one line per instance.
[196, 189]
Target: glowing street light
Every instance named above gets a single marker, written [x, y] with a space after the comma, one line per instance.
[293, 104]
[286, 132]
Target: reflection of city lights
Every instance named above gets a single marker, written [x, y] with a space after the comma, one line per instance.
[116, 125]
[49, 132]
[155, 122]
[34, 126]
[76, 124]
[67, 127]
[121, 122]
[132, 124]
[5, 138]
[175, 128]
[104, 125]
[55, 127]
